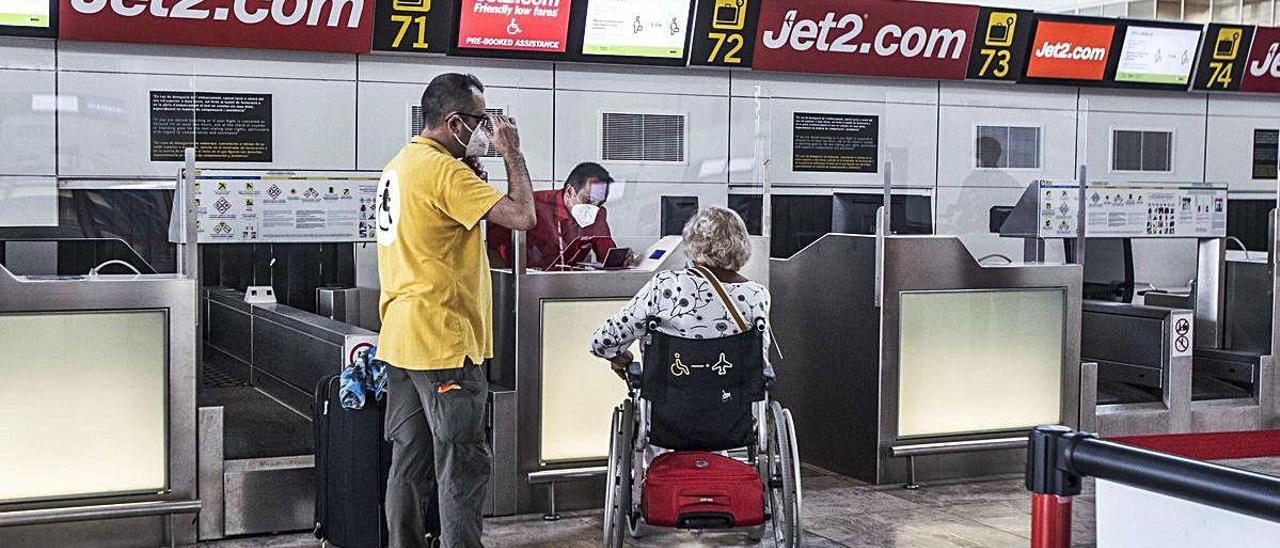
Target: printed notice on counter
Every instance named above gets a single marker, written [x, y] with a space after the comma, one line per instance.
[1266, 154]
[224, 127]
[1135, 211]
[285, 206]
[835, 143]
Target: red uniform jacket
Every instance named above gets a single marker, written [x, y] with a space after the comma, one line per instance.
[555, 230]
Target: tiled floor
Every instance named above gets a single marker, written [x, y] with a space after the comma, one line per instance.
[990, 513]
[838, 511]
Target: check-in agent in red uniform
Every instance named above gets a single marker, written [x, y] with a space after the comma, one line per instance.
[564, 215]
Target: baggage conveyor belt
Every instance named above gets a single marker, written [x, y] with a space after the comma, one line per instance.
[254, 425]
[262, 479]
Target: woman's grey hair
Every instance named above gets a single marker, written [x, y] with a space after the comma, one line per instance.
[716, 237]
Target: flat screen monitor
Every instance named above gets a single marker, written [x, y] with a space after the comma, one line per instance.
[531, 27]
[28, 18]
[655, 29]
[1158, 55]
[1250, 221]
[676, 211]
[1070, 49]
[856, 214]
[798, 220]
[1108, 269]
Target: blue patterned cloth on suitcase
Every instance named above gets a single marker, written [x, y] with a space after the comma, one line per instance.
[366, 374]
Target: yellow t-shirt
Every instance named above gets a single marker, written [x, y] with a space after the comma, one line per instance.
[436, 304]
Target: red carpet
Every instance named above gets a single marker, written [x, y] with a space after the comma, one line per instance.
[1210, 445]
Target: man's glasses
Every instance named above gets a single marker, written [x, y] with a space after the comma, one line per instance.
[481, 120]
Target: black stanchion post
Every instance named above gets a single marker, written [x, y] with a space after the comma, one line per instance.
[1052, 484]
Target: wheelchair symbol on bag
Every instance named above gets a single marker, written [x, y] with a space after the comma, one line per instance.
[680, 369]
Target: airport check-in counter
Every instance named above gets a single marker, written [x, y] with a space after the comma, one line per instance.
[257, 447]
[1232, 379]
[1141, 381]
[543, 323]
[98, 410]
[905, 358]
[257, 452]
[1198, 360]
[551, 401]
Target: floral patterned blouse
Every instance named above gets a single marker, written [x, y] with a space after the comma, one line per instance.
[685, 305]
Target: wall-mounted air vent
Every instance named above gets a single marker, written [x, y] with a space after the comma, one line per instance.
[632, 137]
[1005, 147]
[1142, 151]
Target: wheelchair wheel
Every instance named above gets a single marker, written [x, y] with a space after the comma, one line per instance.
[783, 465]
[617, 493]
[636, 527]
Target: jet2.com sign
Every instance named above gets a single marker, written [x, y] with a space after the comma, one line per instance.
[865, 38]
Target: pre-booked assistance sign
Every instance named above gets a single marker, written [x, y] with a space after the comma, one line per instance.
[514, 25]
[224, 127]
[835, 143]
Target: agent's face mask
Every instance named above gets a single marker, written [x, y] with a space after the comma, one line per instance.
[585, 214]
[478, 144]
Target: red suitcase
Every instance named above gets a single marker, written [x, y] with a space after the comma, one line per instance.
[699, 490]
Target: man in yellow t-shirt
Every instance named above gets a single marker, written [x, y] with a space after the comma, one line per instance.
[436, 308]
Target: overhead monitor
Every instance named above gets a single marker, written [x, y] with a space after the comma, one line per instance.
[28, 17]
[653, 29]
[536, 26]
[1158, 55]
[1070, 50]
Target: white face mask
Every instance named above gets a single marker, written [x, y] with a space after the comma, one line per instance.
[478, 144]
[585, 214]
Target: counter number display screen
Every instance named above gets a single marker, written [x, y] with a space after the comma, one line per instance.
[27, 17]
[1063, 50]
[1153, 55]
[540, 26]
[1000, 44]
[418, 26]
[630, 28]
[1223, 55]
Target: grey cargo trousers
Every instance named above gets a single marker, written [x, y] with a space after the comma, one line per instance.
[439, 455]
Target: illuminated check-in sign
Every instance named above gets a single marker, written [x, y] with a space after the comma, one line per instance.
[1222, 58]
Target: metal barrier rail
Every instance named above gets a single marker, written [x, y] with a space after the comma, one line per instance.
[1058, 460]
[88, 513]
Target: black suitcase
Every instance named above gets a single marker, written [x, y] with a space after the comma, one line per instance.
[352, 461]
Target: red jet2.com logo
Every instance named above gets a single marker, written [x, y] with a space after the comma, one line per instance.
[313, 13]
[1269, 65]
[841, 36]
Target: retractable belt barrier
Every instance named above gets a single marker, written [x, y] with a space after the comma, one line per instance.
[1058, 460]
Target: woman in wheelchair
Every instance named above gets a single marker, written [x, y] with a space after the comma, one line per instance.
[728, 456]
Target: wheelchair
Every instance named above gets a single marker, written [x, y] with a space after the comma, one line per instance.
[703, 395]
